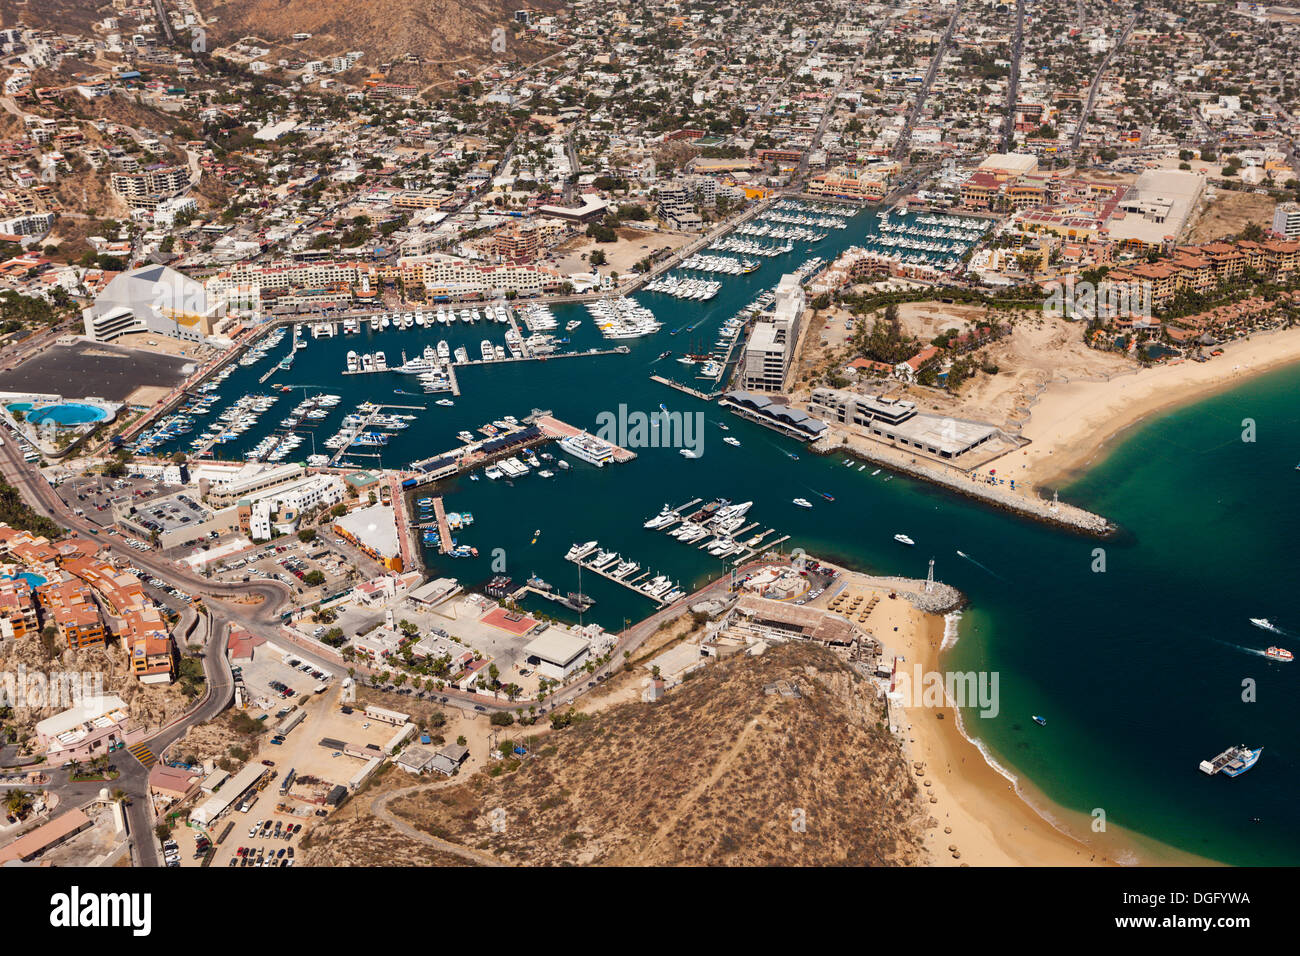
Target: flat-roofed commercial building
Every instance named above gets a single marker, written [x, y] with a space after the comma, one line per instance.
[224, 799]
[900, 424]
[787, 419]
[854, 409]
[33, 844]
[556, 653]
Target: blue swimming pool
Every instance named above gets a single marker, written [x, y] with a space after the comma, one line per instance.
[68, 414]
[35, 580]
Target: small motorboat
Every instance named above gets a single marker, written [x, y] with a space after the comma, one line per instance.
[689, 453]
[803, 502]
[904, 539]
[1040, 721]
[733, 442]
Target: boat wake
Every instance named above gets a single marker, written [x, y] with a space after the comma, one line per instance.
[963, 554]
[951, 624]
[1241, 647]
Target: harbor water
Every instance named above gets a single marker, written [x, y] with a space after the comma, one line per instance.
[1138, 668]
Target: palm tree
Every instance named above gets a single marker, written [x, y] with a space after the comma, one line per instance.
[18, 802]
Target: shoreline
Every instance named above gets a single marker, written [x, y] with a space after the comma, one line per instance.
[989, 812]
[1073, 425]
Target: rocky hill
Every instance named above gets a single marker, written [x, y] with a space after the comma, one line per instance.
[721, 772]
[445, 35]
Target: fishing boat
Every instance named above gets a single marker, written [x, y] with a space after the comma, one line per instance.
[1279, 654]
[904, 539]
[803, 502]
[1040, 721]
[1233, 762]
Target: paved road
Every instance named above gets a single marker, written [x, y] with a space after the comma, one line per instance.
[1096, 83]
[905, 137]
[1013, 78]
[220, 682]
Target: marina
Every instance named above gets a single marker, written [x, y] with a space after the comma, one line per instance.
[626, 573]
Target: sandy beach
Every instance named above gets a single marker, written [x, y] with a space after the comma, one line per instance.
[1073, 423]
[989, 819]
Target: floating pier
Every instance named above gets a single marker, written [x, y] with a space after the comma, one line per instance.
[704, 396]
[628, 582]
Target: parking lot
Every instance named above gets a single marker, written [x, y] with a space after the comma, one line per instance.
[292, 562]
[264, 835]
[273, 680]
[169, 513]
[95, 494]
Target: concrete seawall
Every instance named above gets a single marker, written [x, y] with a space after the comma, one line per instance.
[1057, 513]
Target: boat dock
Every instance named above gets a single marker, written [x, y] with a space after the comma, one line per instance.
[550, 595]
[556, 429]
[444, 529]
[703, 396]
[617, 350]
[749, 553]
[374, 413]
[630, 581]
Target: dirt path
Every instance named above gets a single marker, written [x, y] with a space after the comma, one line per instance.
[379, 807]
[722, 766]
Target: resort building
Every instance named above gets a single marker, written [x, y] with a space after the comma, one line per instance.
[17, 609]
[446, 278]
[843, 183]
[149, 188]
[70, 607]
[85, 730]
[153, 299]
[770, 349]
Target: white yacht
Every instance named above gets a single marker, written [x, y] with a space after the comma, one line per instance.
[665, 517]
[581, 550]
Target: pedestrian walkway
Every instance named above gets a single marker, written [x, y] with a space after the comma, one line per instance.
[143, 754]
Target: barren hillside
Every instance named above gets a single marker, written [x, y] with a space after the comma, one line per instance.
[445, 34]
[719, 772]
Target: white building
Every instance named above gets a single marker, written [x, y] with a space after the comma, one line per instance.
[152, 299]
[1286, 220]
[557, 653]
[770, 348]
